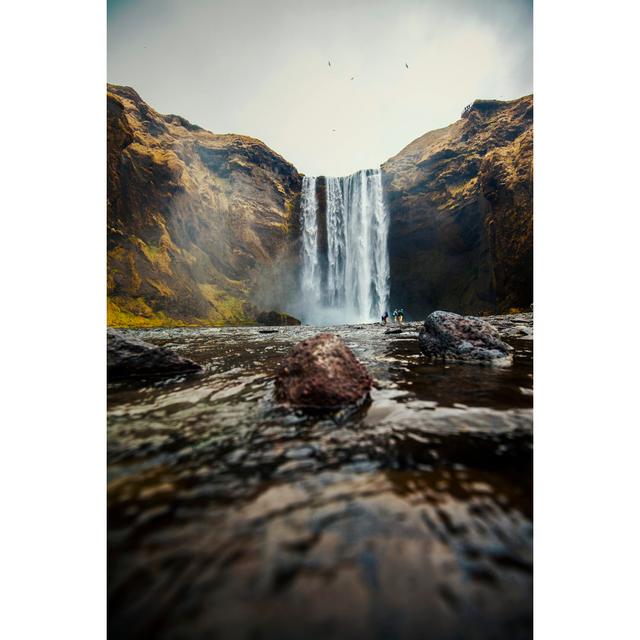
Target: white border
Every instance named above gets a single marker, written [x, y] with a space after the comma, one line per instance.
[586, 301]
[53, 565]
[586, 291]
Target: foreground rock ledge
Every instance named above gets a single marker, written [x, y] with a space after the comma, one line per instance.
[322, 373]
[463, 338]
[129, 357]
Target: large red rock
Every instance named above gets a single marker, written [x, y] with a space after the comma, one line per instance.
[322, 373]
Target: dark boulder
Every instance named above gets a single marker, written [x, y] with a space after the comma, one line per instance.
[129, 357]
[454, 337]
[322, 373]
[394, 331]
[276, 319]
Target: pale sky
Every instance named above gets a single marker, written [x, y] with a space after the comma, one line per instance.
[260, 68]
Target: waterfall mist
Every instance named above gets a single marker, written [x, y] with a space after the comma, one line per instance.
[345, 261]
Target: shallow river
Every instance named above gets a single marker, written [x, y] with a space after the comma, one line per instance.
[229, 517]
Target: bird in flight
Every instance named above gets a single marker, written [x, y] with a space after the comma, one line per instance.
[352, 77]
[329, 62]
[406, 65]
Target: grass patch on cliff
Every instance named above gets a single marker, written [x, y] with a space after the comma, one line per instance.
[135, 312]
[226, 308]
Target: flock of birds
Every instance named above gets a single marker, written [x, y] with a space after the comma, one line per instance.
[353, 78]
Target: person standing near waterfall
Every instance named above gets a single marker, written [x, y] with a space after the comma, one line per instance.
[395, 316]
[385, 315]
[400, 316]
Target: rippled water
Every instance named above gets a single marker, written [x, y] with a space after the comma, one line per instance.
[229, 517]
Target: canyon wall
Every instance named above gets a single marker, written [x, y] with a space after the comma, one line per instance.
[200, 226]
[461, 206]
[204, 229]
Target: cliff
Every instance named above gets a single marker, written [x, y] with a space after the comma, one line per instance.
[461, 207]
[203, 228]
[200, 225]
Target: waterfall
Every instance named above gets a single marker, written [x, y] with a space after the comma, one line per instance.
[310, 258]
[350, 281]
[336, 244]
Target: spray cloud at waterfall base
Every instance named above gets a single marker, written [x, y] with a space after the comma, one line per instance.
[345, 261]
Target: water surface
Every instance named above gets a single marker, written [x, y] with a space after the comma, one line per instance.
[229, 517]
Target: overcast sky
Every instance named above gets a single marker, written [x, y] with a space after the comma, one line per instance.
[260, 68]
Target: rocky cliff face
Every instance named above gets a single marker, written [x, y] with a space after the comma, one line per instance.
[204, 228]
[461, 208]
[201, 226]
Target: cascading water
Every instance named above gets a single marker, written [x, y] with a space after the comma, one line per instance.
[350, 283]
[310, 258]
[336, 244]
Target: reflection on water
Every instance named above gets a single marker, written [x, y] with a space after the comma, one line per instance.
[231, 518]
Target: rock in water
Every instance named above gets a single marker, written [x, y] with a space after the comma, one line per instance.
[276, 319]
[451, 336]
[129, 357]
[322, 373]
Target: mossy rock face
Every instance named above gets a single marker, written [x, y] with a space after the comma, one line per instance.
[461, 208]
[204, 229]
[197, 222]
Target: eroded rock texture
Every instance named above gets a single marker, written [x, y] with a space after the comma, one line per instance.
[199, 224]
[128, 357]
[461, 206]
[203, 228]
[322, 373]
[454, 337]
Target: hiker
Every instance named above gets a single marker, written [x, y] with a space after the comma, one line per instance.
[401, 316]
[385, 315]
[395, 316]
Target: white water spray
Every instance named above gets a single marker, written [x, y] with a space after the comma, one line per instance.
[350, 283]
[310, 259]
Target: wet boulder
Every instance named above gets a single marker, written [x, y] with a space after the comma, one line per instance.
[322, 373]
[276, 319]
[130, 357]
[464, 338]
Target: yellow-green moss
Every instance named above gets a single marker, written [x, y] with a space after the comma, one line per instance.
[227, 309]
[135, 312]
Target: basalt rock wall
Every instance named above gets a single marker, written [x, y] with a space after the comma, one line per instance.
[200, 226]
[204, 228]
[461, 208]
